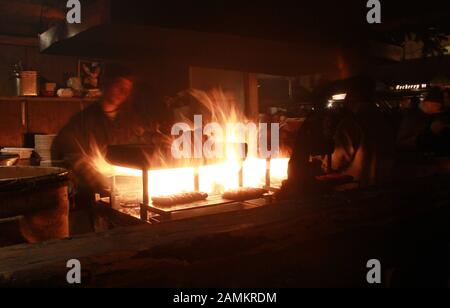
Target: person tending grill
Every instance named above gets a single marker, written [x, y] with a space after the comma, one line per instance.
[114, 120]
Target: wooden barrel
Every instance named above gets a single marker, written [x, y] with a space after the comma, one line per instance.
[39, 196]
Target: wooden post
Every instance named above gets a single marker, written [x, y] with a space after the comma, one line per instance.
[268, 181]
[196, 179]
[251, 97]
[146, 198]
[113, 196]
[241, 174]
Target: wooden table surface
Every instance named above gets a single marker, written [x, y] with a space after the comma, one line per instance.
[319, 242]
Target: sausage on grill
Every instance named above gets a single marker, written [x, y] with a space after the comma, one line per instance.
[244, 194]
[176, 199]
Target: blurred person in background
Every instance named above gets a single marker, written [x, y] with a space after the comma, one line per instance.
[313, 139]
[436, 136]
[413, 122]
[365, 137]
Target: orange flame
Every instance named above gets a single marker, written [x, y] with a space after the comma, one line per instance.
[213, 179]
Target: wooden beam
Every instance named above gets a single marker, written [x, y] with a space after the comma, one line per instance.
[19, 41]
[28, 11]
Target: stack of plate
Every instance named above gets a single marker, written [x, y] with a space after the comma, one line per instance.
[43, 145]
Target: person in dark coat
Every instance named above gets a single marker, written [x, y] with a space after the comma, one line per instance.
[365, 138]
[436, 136]
[413, 121]
[114, 120]
[314, 139]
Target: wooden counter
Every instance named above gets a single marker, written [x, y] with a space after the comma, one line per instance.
[322, 242]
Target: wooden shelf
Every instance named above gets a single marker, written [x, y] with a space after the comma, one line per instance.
[43, 98]
[21, 116]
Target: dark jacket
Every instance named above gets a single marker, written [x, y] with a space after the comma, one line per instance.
[365, 146]
[437, 143]
[84, 140]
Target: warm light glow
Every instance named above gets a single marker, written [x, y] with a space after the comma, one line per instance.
[340, 97]
[255, 172]
[278, 171]
[411, 87]
[217, 179]
[170, 181]
[213, 179]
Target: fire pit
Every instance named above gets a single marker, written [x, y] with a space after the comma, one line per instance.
[220, 151]
[139, 181]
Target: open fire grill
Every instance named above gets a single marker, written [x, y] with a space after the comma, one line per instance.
[130, 194]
